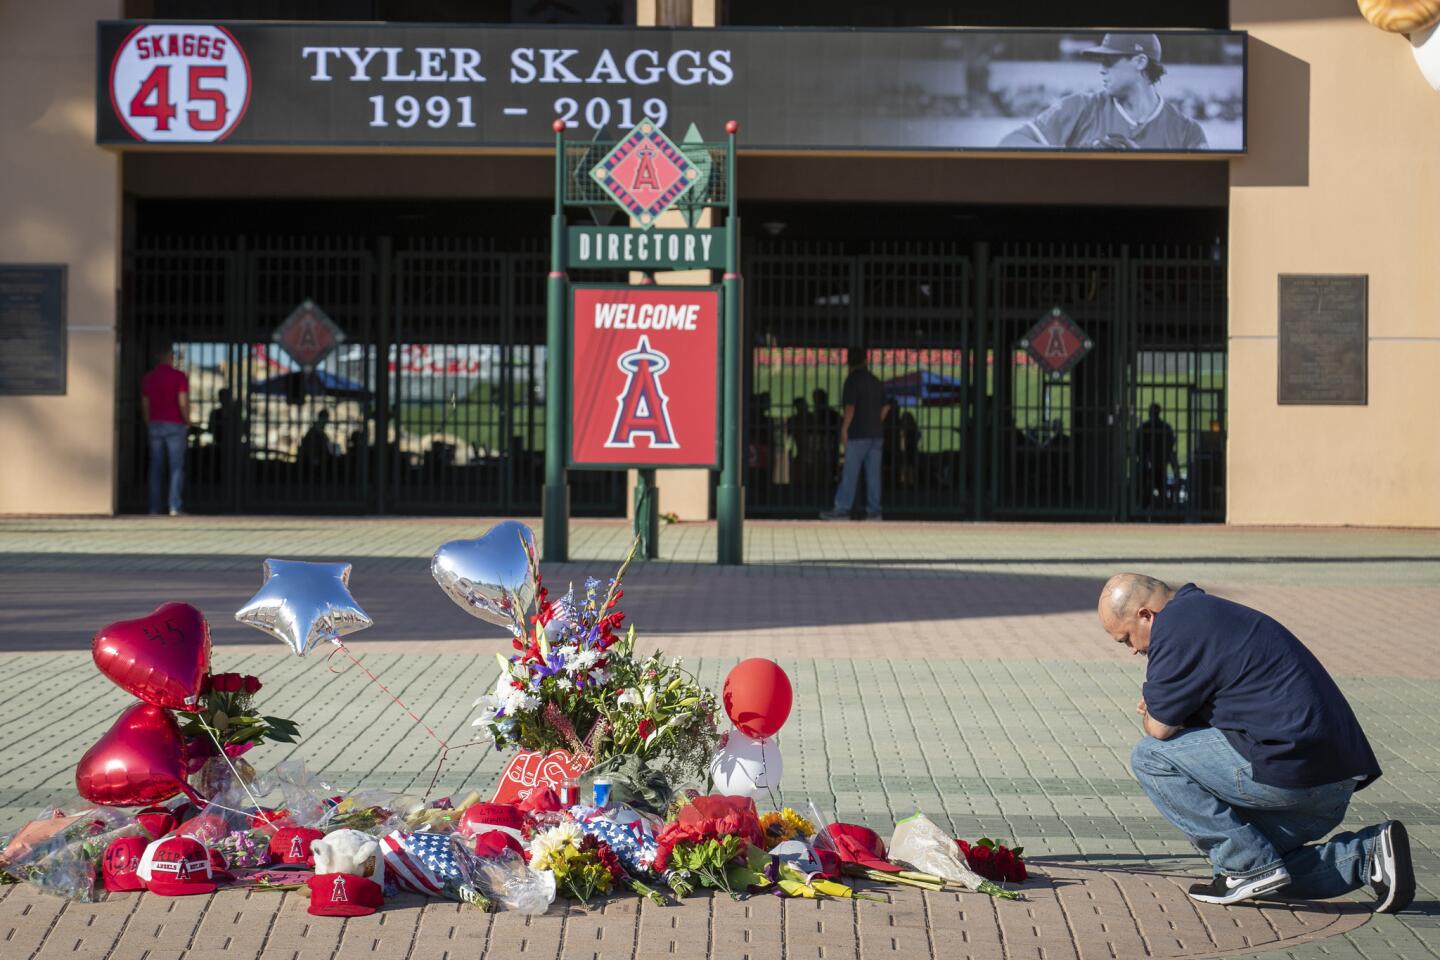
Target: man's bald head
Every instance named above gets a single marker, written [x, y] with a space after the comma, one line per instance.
[1128, 605]
[1125, 592]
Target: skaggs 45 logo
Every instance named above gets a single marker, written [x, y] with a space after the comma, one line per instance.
[179, 84]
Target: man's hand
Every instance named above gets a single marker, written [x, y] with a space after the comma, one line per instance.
[1140, 707]
[1115, 141]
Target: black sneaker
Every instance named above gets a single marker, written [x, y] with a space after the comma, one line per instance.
[1391, 874]
[834, 515]
[1223, 889]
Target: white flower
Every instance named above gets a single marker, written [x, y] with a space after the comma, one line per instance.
[546, 845]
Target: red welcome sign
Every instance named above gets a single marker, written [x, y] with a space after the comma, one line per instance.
[530, 769]
[644, 389]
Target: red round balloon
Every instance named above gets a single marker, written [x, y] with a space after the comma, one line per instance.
[139, 761]
[161, 658]
[757, 697]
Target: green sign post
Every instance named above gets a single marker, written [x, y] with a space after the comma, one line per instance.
[645, 174]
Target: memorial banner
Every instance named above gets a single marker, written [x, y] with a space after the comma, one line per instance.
[425, 85]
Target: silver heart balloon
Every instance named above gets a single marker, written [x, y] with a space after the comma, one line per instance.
[303, 603]
[493, 577]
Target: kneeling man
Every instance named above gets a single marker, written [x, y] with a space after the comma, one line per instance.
[1251, 749]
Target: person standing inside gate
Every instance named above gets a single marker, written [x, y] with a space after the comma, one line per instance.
[1155, 449]
[862, 435]
[1126, 113]
[165, 407]
[827, 436]
[1251, 750]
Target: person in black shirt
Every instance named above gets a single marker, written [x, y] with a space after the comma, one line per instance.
[1155, 446]
[1251, 750]
[862, 434]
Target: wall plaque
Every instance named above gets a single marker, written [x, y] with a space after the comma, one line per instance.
[1324, 339]
[32, 329]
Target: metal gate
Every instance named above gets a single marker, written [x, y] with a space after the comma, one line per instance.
[433, 402]
[977, 429]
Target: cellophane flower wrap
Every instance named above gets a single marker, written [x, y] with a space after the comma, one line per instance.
[574, 683]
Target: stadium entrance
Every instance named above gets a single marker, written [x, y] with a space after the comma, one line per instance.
[1041, 363]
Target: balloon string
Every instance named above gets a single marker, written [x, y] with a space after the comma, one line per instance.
[226, 757]
[341, 648]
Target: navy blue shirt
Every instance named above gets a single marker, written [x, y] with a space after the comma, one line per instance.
[1214, 663]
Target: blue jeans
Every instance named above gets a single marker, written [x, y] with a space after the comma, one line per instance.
[1204, 787]
[167, 443]
[860, 453]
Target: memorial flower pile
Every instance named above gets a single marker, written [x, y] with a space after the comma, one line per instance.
[575, 683]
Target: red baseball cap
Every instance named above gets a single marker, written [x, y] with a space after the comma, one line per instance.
[541, 800]
[856, 845]
[122, 859]
[494, 843]
[344, 895]
[156, 821]
[481, 818]
[292, 845]
[180, 866]
[219, 869]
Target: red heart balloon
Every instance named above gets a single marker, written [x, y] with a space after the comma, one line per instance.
[139, 761]
[161, 658]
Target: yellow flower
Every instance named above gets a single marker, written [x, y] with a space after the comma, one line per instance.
[786, 825]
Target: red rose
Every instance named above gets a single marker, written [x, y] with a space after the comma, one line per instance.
[205, 684]
[645, 728]
[221, 682]
[964, 848]
[252, 685]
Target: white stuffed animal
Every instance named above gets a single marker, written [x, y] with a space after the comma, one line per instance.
[349, 851]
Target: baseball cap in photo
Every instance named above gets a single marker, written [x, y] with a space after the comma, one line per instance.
[120, 863]
[180, 866]
[857, 845]
[480, 818]
[291, 845]
[343, 895]
[1126, 45]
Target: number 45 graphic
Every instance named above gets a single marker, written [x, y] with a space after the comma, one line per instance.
[153, 98]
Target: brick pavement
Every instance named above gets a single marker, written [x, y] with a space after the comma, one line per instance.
[949, 668]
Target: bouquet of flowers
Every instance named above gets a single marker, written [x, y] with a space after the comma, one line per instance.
[710, 836]
[228, 721]
[994, 861]
[583, 864]
[574, 683]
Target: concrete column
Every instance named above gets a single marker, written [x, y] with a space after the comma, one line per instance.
[60, 203]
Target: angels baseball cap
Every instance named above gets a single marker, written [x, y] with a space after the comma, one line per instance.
[291, 845]
[807, 859]
[1126, 45]
[180, 866]
[343, 895]
[479, 818]
[121, 861]
[856, 845]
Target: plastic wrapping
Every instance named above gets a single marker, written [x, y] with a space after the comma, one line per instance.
[510, 883]
[920, 844]
[61, 854]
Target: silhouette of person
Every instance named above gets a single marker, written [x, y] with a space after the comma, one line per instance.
[826, 429]
[223, 418]
[1155, 449]
[862, 433]
[315, 446]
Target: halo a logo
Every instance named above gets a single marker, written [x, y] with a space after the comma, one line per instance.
[642, 409]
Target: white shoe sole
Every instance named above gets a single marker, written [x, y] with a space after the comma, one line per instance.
[1253, 888]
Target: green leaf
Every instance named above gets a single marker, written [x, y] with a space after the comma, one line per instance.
[1018, 851]
[986, 842]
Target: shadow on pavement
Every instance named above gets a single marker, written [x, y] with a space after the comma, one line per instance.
[47, 606]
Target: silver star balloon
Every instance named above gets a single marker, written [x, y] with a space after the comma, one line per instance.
[492, 577]
[303, 603]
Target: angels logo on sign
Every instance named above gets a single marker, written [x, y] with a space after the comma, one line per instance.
[642, 407]
[179, 84]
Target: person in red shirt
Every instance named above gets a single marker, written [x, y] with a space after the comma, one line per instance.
[165, 405]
